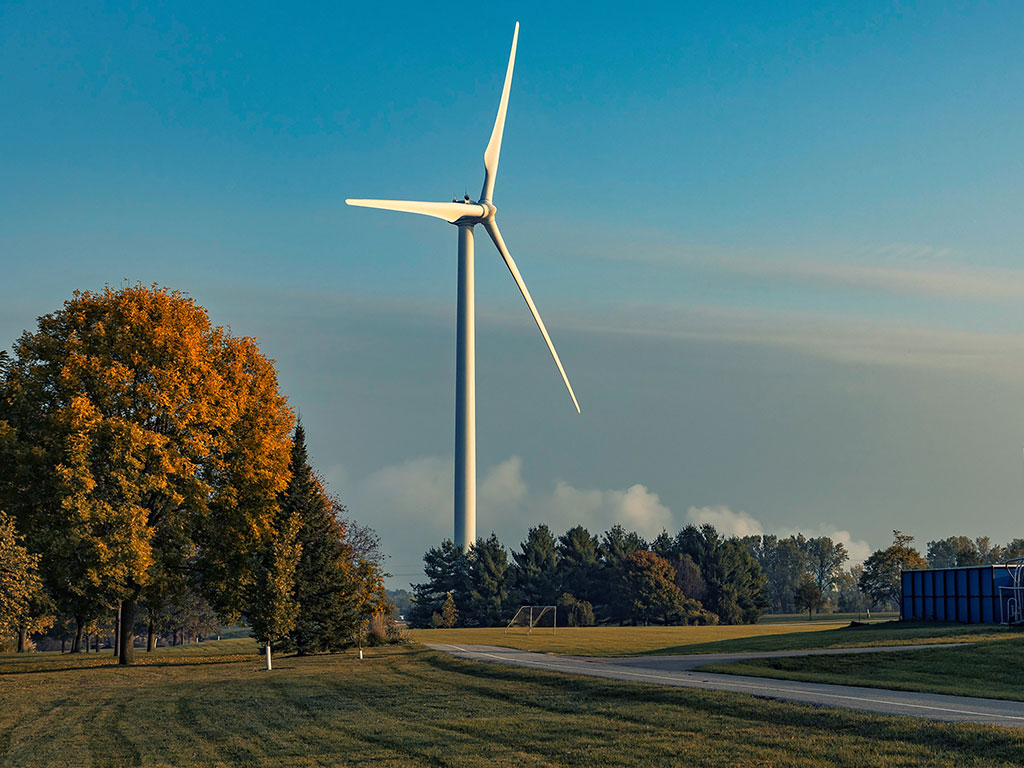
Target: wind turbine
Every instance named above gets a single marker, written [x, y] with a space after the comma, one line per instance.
[466, 215]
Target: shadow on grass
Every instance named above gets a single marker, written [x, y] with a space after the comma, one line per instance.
[46, 667]
[887, 633]
[992, 742]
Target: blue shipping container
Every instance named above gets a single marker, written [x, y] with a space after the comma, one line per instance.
[970, 595]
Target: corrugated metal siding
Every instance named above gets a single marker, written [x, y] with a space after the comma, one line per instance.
[970, 595]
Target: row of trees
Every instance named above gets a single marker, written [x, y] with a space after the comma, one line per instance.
[696, 576]
[957, 551]
[147, 461]
[880, 575]
[806, 573]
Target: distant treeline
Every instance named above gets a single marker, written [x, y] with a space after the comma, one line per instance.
[696, 576]
[958, 551]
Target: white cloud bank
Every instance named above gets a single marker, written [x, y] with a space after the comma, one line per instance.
[725, 520]
[410, 505]
[636, 508]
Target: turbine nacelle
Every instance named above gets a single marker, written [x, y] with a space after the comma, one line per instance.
[488, 211]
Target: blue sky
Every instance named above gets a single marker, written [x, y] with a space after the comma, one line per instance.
[777, 245]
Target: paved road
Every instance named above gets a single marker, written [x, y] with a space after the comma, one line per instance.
[679, 670]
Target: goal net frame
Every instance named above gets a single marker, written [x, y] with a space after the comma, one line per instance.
[528, 617]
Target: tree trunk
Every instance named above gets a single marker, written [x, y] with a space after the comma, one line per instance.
[62, 642]
[127, 642]
[151, 637]
[76, 644]
[117, 631]
[22, 638]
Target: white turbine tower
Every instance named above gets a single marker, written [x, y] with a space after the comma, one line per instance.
[466, 215]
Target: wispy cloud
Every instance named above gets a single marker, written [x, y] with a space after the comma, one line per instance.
[929, 280]
[854, 336]
[847, 340]
[904, 269]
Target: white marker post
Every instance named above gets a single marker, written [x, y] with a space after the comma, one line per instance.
[269, 666]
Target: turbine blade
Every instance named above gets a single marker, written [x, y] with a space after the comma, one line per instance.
[450, 212]
[492, 229]
[494, 145]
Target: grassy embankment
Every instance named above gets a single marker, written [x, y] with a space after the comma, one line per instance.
[989, 669]
[212, 704]
[632, 641]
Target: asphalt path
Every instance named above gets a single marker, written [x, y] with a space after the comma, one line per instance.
[680, 671]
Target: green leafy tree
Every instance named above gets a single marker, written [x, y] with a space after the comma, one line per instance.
[141, 439]
[881, 577]
[959, 551]
[825, 559]
[651, 588]
[272, 610]
[809, 595]
[535, 570]
[784, 563]
[573, 612]
[850, 598]
[952, 552]
[188, 616]
[22, 600]
[1014, 550]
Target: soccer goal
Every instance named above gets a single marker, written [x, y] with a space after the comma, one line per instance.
[531, 617]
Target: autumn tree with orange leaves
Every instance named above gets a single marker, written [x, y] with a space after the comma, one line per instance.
[142, 449]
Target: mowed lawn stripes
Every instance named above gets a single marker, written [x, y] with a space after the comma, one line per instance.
[410, 706]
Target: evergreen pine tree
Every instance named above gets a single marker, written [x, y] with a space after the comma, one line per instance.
[579, 564]
[447, 571]
[616, 548]
[535, 573]
[488, 575]
[327, 578]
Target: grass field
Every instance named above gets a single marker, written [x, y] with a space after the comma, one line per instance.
[212, 705]
[777, 618]
[990, 669]
[631, 641]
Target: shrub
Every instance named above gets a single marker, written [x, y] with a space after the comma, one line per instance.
[384, 630]
[575, 613]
